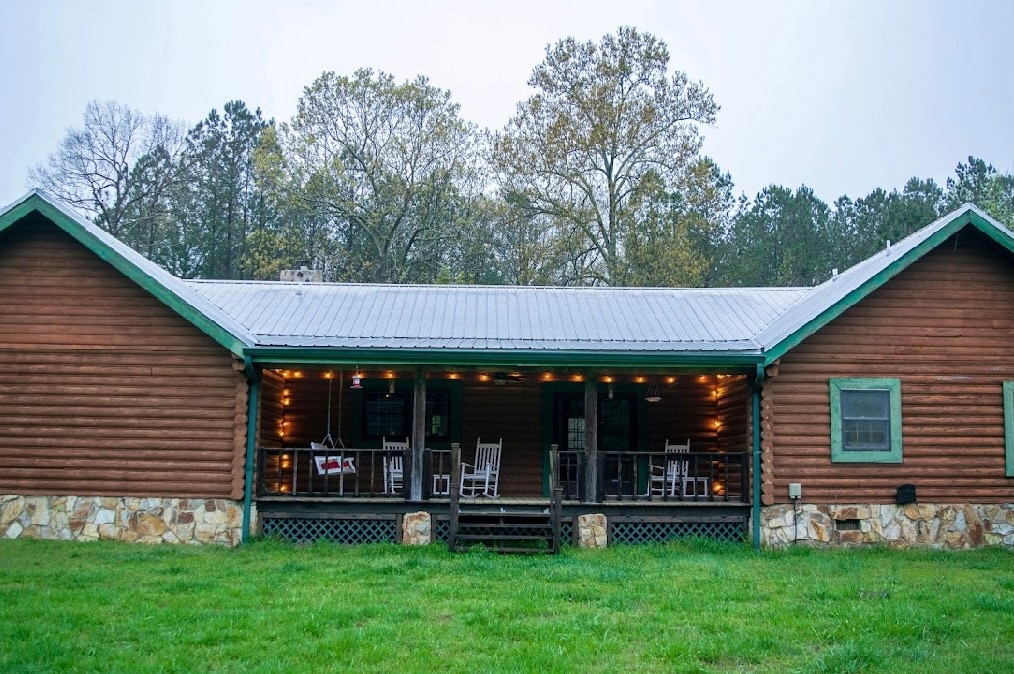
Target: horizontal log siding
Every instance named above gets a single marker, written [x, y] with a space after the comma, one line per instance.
[734, 435]
[945, 327]
[733, 414]
[272, 411]
[103, 389]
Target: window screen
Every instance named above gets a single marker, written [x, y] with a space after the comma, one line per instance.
[866, 420]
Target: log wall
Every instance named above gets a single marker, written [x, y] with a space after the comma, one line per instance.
[271, 431]
[103, 389]
[945, 327]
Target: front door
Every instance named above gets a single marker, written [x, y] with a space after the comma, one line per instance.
[568, 433]
[617, 432]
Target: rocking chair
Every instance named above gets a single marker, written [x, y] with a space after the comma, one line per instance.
[394, 465]
[482, 477]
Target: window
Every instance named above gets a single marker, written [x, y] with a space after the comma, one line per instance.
[387, 413]
[1008, 425]
[866, 420]
[438, 415]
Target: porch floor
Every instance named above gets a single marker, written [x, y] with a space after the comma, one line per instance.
[443, 502]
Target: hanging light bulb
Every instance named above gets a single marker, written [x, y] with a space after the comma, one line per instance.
[357, 379]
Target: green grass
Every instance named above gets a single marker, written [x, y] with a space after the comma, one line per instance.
[689, 607]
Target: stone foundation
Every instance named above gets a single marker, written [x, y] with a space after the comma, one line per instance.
[592, 531]
[952, 525]
[416, 528]
[142, 520]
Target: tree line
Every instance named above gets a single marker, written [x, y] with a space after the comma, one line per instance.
[598, 178]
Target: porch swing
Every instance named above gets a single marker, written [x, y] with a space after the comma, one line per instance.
[333, 464]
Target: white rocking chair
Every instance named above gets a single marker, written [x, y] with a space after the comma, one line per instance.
[670, 478]
[482, 477]
[394, 465]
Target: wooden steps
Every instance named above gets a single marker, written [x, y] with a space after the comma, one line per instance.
[505, 530]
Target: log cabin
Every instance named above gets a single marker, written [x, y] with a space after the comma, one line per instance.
[874, 408]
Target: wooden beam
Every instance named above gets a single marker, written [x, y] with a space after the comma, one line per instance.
[418, 435]
[591, 438]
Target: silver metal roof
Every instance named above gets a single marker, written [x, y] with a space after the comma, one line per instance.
[494, 318]
[499, 317]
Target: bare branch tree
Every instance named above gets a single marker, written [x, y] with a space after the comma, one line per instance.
[93, 169]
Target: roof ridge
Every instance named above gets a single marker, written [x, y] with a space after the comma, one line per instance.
[493, 286]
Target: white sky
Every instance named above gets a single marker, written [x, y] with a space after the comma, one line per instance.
[841, 96]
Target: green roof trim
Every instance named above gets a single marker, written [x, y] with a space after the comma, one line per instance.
[37, 202]
[718, 362]
[967, 217]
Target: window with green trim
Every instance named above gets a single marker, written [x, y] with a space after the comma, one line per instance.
[1008, 425]
[866, 420]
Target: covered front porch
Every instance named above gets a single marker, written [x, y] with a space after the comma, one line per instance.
[320, 454]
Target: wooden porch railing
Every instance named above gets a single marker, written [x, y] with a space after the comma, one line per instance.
[294, 471]
[627, 476]
[622, 476]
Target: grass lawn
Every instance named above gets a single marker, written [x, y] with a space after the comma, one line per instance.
[687, 607]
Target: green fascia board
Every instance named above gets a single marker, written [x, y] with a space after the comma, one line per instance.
[523, 358]
[68, 224]
[960, 221]
[19, 211]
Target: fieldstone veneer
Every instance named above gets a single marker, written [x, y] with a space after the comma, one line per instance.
[953, 526]
[416, 528]
[592, 531]
[144, 520]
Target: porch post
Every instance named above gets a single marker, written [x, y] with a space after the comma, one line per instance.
[253, 405]
[591, 438]
[418, 435]
[755, 399]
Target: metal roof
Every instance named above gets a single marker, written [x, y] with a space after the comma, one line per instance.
[337, 315]
[723, 322]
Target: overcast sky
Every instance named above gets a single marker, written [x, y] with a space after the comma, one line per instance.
[841, 96]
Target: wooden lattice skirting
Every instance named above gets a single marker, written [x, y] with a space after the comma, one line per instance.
[350, 529]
